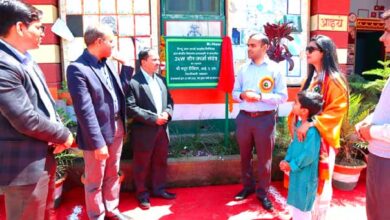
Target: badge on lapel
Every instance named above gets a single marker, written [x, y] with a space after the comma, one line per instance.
[266, 84]
[316, 88]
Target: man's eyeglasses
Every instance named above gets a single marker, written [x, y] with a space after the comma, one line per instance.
[310, 49]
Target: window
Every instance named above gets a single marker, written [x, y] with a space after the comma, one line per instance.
[129, 19]
[208, 7]
[193, 18]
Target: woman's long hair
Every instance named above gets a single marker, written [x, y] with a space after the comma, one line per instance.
[329, 60]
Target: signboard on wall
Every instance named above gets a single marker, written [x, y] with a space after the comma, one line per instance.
[329, 22]
[193, 62]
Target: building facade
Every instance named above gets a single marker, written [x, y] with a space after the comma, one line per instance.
[149, 23]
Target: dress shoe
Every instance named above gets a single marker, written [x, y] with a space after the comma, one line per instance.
[119, 216]
[266, 203]
[243, 194]
[144, 203]
[165, 195]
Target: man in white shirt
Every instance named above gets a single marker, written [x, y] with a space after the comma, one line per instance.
[259, 88]
[376, 130]
[150, 105]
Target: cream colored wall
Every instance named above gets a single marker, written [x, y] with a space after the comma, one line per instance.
[72, 49]
[355, 5]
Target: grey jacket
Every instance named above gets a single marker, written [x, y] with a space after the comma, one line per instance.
[25, 126]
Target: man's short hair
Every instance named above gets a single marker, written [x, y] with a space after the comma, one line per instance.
[94, 32]
[260, 37]
[145, 53]
[386, 15]
[13, 11]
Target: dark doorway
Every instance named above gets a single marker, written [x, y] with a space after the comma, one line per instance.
[368, 50]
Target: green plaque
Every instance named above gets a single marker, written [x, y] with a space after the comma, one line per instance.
[193, 62]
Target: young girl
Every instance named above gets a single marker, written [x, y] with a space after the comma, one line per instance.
[302, 158]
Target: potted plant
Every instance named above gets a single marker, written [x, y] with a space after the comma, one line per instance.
[278, 51]
[350, 158]
[370, 89]
[64, 94]
[282, 141]
[364, 96]
[64, 160]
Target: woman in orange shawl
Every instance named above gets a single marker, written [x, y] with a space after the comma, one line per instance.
[325, 78]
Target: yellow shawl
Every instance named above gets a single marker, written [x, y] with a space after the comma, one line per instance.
[329, 121]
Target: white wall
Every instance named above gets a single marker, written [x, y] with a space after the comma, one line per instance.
[367, 4]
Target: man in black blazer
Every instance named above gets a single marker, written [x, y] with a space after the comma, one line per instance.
[30, 129]
[99, 104]
[150, 105]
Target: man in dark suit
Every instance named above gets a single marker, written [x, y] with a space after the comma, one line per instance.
[151, 107]
[99, 104]
[30, 129]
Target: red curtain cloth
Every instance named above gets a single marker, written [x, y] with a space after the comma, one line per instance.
[226, 72]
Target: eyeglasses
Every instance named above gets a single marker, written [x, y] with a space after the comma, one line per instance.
[310, 49]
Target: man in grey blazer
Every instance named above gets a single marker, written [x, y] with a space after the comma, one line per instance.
[99, 103]
[30, 129]
[150, 105]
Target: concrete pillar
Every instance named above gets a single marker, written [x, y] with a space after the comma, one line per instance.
[331, 18]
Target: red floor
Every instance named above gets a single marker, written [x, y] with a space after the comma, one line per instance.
[212, 202]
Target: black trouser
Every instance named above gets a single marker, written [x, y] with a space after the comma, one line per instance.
[258, 132]
[153, 161]
[377, 188]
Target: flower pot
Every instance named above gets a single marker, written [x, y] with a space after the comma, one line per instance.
[66, 96]
[346, 177]
[59, 184]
